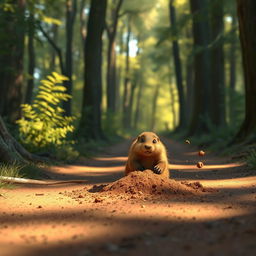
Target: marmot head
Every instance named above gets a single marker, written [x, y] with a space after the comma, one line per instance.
[147, 144]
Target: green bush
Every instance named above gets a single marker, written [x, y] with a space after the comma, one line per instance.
[251, 159]
[43, 124]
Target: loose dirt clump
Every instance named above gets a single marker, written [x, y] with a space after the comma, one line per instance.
[147, 182]
[139, 185]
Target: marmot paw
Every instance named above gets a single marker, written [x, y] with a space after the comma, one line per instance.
[157, 170]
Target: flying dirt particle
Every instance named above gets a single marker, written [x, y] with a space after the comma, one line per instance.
[187, 141]
[201, 153]
[39, 194]
[39, 206]
[143, 206]
[199, 165]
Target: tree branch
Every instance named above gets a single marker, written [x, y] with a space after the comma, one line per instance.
[55, 47]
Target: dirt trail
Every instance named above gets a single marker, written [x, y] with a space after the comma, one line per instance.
[216, 215]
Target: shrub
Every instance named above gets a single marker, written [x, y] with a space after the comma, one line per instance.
[43, 124]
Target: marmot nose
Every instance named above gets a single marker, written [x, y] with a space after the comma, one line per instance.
[147, 147]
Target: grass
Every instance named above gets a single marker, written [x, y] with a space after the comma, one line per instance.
[9, 171]
[19, 171]
[251, 159]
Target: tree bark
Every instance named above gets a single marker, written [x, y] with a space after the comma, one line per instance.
[11, 152]
[232, 71]
[218, 106]
[177, 66]
[201, 108]
[127, 81]
[138, 103]
[111, 60]
[71, 9]
[90, 123]
[31, 58]
[154, 107]
[12, 28]
[246, 17]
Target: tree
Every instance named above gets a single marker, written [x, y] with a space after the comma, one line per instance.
[90, 123]
[71, 9]
[11, 152]
[177, 65]
[217, 112]
[127, 79]
[201, 108]
[12, 30]
[31, 56]
[246, 17]
[111, 57]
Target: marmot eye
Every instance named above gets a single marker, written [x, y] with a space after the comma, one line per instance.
[142, 140]
[154, 141]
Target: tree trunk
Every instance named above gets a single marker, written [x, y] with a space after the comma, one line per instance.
[154, 107]
[31, 58]
[11, 152]
[12, 29]
[111, 61]
[138, 103]
[172, 100]
[218, 106]
[246, 17]
[55, 33]
[127, 92]
[71, 8]
[178, 68]
[90, 123]
[232, 71]
[201, 108]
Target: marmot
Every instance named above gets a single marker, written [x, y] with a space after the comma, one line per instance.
[147, 152]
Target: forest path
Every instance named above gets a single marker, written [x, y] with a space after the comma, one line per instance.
[40, 220]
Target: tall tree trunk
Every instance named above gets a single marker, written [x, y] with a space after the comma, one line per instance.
[201, 108]
[119, 70]
[127, 81]
[71, 9]
[232, 70]
[55, 33]
[154, 107]
[218, 106]
[172, 100]
[111, 61]
[31, 58]
[138, 103]
[246, 17]
[177, 66]
[90, 123]
[12, 28]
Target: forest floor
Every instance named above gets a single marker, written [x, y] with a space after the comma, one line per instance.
[207, 211]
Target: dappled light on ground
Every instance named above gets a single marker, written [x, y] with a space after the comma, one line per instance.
[74, 219]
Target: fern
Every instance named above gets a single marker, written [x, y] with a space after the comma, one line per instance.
[43, 124]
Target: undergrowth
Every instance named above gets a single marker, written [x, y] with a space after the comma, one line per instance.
[251, 159]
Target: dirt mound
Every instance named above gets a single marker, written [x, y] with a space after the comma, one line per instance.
[149, 183]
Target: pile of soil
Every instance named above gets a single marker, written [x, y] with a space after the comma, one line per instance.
[149, 183]
[138, 185]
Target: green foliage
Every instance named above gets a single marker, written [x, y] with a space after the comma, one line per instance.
[43, 124]
[9, 171]
[251, 159]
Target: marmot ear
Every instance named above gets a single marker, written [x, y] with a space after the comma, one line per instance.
[138, 138]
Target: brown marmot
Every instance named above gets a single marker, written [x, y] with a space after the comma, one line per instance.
[147, 152]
